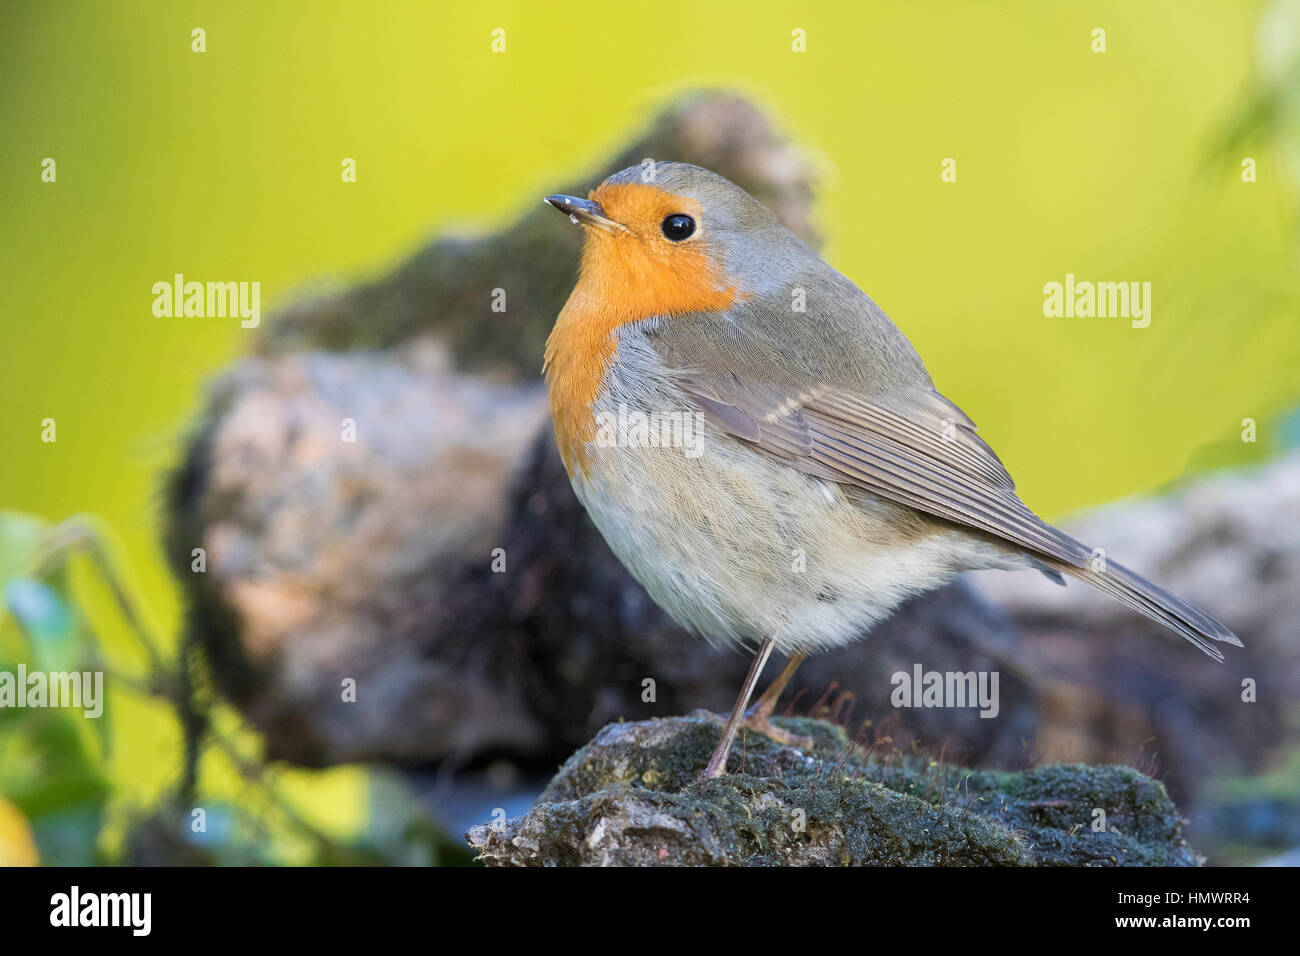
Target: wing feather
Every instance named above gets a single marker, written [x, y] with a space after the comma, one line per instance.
[886, 429]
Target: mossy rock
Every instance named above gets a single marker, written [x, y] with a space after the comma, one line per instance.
[631, 798]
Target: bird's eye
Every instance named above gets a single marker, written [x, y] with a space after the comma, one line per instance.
[678, 226]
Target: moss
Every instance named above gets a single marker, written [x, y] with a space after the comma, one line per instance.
[631, 797]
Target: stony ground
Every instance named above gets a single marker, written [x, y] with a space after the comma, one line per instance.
[631, 798]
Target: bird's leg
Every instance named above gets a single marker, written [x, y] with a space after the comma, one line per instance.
[718, 762]
[759, 717]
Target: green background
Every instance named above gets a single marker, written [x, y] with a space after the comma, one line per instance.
[225, 166]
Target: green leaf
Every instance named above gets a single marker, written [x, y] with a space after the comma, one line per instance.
[47, 622]
[20, 543]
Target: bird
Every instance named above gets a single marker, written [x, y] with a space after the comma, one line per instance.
[763, 448]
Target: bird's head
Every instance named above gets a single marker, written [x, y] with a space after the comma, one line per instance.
[662, 240]
[672, 238]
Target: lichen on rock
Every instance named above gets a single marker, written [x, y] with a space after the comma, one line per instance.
[631, 797]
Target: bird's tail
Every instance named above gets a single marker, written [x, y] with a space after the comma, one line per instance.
[1156, 603]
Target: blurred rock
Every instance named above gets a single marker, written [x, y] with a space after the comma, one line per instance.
[316, 545]
[631, 798]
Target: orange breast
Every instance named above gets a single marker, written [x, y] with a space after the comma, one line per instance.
[625, 277]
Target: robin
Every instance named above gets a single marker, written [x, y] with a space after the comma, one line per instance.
[826, 479]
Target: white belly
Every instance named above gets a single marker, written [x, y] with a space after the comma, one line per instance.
[737, 546]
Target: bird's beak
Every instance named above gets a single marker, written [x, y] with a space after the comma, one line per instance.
[585, 212]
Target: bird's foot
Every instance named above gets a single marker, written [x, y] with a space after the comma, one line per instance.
[761, 723]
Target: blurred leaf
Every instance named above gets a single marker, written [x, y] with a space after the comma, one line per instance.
[50, 775]
[20, 543]
[46, 621]
[70, 837]
[400, 831]
[47, 767]
[17, 842]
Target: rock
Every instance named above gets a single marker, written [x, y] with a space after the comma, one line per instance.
[319, 544]
[631, 798]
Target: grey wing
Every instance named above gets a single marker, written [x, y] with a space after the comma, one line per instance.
[838, 391]
[907, 444]
[918, 450]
